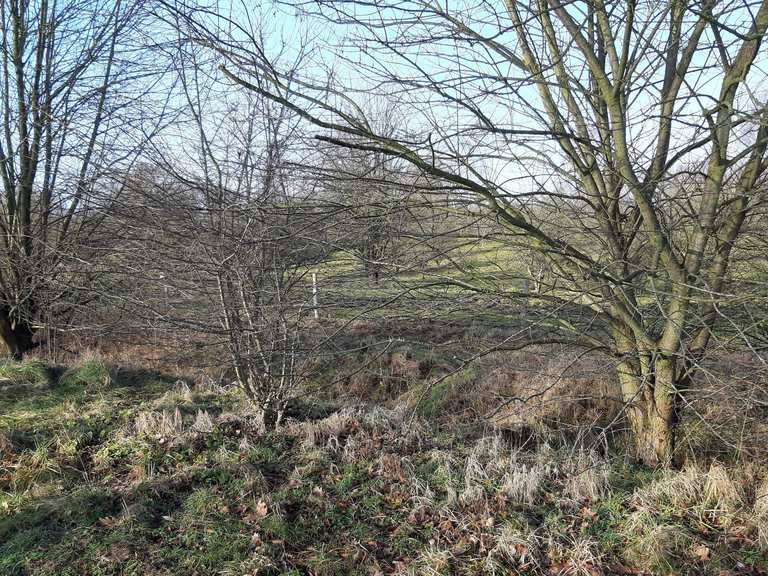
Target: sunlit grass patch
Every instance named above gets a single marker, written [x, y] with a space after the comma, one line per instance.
[29, 373]
[91, 370]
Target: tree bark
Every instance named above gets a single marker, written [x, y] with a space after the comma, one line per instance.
[16, 334]
[654, 435]
[653, 410]
[272, 418]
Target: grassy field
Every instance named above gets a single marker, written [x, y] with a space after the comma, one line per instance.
[475, 280]
[110, 470]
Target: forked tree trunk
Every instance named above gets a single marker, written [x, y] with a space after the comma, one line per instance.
[272, 418]
[652, 399]
[16, 334]
[654, 434]
[269, 418]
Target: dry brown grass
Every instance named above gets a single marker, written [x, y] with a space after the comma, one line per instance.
[587, 477]
[761, 497]
[170, 426]
[760, 514]
[681, 489]
[6, 445]
[726, 416]
[432, 561]
[327, 432]
[379, 376]
[515, 547]
[545, 388]
[161, 425]
[524, 483]
[581, 556]
[721, 491]
[203, 423]
[390, 467]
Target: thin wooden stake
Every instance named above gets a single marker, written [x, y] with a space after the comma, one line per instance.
[314, 295]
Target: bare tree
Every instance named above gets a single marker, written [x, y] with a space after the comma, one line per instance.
[225, 225]
[68, 89]
[371, 192]
[625, 143]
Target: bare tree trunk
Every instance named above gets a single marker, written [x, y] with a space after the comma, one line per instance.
[271, 418]
[16, 334]
[654, 434]
[652, 398]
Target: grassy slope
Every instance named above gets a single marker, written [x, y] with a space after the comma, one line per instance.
[493, 267]
[345, 289]
[109, 471]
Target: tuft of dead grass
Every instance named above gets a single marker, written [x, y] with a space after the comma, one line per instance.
[328, 431]
[581, 556]
[161, 424]
[654, 546]
[203, 423]
[475, 477]
[680, 489]
[432, 561]
[721, 493]
[514, 547]
[761, 497]
[524, 484]
[587, 478]
[760, 514]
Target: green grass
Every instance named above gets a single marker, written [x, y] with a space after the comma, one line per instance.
[430, 400]
[89, 372]
[345, 289]
[82, 493]
[24, 373]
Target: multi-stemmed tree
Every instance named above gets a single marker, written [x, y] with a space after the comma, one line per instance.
[72, 110]
[625, 143]
[225, 227]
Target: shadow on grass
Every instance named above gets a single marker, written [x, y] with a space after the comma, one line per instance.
[68, 407]
[44, 523]
[172, 524]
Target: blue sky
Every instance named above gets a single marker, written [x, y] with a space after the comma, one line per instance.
[332, 51]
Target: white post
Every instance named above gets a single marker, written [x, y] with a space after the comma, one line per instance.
[314, 295]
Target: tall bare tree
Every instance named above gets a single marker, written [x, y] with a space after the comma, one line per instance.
[69, 101]
[624, 142]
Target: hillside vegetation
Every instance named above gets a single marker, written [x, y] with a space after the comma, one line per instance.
[372, 287]
[109, 469]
